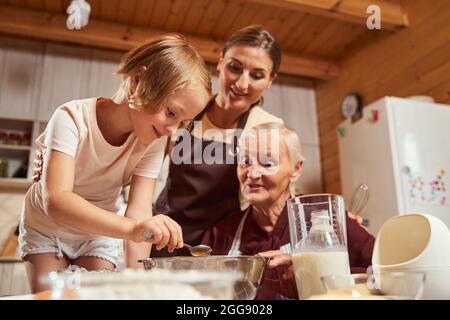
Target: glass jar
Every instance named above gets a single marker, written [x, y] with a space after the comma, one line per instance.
[26, 139]
[14, 138]
[3, 137]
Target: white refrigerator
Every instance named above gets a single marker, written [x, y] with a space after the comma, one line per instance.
[400, 148]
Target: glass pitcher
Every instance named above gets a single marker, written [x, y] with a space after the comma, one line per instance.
[318, 240]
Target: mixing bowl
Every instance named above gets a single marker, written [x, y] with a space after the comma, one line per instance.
[142, 285]
[250, 269]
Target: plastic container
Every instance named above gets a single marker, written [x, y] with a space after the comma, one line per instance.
[3, 137]
[14, 138]
[412, 241]
[26, 139]
[416, 243]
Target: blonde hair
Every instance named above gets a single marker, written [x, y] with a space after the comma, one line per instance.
[171, 64]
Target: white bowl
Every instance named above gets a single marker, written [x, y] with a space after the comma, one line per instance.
[437, 280]
[412, 241]
[387, 285]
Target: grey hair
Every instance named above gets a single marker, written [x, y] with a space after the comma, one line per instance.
[291, 140]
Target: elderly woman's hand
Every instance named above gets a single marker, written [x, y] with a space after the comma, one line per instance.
[285, 284]
[279, 259]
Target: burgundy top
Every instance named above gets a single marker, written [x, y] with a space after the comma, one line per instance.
[254, 240]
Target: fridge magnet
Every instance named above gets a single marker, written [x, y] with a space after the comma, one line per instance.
[365, 222]
[342, 131]
[375, 116]
[427, 190]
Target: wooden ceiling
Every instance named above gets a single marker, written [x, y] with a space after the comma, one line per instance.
[314, 34]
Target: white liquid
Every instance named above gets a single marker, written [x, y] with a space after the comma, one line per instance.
[310, 266]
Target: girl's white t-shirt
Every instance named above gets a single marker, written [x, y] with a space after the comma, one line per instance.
[101, 170]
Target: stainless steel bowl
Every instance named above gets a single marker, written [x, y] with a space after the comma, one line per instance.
[251, 269]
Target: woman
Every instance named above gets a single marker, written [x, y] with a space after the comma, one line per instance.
[267, 173]
[91, 148]
[198, 192]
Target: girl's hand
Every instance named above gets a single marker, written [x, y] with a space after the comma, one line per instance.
[164, 232]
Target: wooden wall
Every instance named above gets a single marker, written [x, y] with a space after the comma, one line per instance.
[414, 61]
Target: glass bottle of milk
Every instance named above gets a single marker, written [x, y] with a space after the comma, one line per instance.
[321, 254]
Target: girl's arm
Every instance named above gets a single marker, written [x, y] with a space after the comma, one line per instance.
[140, 208]
[66, 207]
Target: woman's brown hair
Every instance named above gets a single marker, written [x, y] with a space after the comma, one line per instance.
[259, 37]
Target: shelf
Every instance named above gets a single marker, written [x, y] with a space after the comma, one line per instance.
[10, 260]
[15, 184]
[14, 147]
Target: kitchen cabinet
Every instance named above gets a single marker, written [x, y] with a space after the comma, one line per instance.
[296, 106]
[76, 73]
[214, 80]
[20, 77]
[299, 112]
[17, 153]
[65, 77]
[311, 177]
[36, 78]
[101, 79]
[13, 275]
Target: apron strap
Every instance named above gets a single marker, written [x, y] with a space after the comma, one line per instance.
[234, 251]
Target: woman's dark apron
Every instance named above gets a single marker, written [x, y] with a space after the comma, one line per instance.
[197, 195]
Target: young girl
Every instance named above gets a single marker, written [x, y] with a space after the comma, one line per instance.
[93, 147]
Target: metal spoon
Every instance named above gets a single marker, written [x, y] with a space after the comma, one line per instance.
[199, 251]
[196, 251]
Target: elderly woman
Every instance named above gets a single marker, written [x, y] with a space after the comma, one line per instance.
[267, 172]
